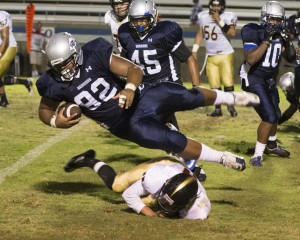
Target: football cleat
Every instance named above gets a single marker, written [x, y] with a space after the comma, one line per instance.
[4, 104]
[256, 161]
[29, 85]
[233, 161]
[279, 151]
[216, 113]
[199, 173]
[86, 159]
[232, 111]
[245, 99]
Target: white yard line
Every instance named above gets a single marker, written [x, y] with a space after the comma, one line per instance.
[34, 153]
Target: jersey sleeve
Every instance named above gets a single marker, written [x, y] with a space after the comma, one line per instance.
[251, 36]
[173, 35]
[232, 19]
[132, 196]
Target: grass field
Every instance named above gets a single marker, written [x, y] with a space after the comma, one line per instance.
[40, 201]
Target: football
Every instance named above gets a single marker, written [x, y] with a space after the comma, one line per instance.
[70, 108]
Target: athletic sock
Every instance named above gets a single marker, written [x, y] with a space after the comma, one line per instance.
[224, 98]
[106, 173]
[259, 149]
[210, 155]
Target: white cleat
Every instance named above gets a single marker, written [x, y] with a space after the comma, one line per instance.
[29, 86]
[245, 99]
[233, 161]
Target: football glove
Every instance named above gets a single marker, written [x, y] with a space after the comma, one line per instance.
[269, 32]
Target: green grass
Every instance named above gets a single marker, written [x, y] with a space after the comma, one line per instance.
[41, 201]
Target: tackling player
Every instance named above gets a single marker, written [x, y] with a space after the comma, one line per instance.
[264, 45]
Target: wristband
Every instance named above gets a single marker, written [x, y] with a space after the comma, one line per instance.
[221, 23]
[52, 121]
[266, 42]
[195, 47]
[130, 86]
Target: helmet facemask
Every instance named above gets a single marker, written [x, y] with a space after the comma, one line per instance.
[177, 193]
[64, 55]
[68, 68]
[120, 8]
[142, 16]
[270, 11]
[216, 4]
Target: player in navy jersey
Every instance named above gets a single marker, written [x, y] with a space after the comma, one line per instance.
[155, 46]
[87, 77]
[264, 45]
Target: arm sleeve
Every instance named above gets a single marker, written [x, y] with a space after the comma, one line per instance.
[132, 196]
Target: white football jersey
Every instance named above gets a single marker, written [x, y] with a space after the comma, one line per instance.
[152, 182]
[216, 41]
[5, 19]
[112, 20]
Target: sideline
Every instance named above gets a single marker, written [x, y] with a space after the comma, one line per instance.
[34, 153]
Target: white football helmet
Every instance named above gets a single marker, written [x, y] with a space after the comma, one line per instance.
[286, 81]
[272, 9]
[142, 9]
[121, 13]
[64, 55]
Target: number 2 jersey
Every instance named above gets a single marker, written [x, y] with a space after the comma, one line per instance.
[267, 67]
[153, 52]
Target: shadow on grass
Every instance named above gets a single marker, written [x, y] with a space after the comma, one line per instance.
[224, 202]
[90, 189]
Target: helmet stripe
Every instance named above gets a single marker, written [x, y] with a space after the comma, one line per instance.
[186, 182]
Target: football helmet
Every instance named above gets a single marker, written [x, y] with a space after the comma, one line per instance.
[64, 55]
[272, 9]
[217, 3]
[177, 193]
[142, 10]
[286, 82]
[120, 12]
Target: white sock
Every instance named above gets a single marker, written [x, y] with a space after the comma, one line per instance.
[273, 138]
[98, 165]
[210, 155]
[259, 149]
[224, 98]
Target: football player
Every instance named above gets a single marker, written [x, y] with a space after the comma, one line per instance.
[115, 18]
[8, 51]
[264, 45]
[86, 76]
[163, 182]
[154, 46]
[286, 83]
[217, 27]
[294, 26]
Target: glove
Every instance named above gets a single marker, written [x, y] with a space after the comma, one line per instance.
[269, 32]
[285, 35]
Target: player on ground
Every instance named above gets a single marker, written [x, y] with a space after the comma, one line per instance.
[162, 182]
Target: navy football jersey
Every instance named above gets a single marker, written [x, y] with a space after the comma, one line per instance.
[152, 53]
[92, 88]
[267, 67]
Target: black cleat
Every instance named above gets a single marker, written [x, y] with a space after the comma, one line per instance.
[216, 113]
[86, 159]
[232, 111]
[4, 104]
[279, 151]
[29, 86]
[199, 173]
